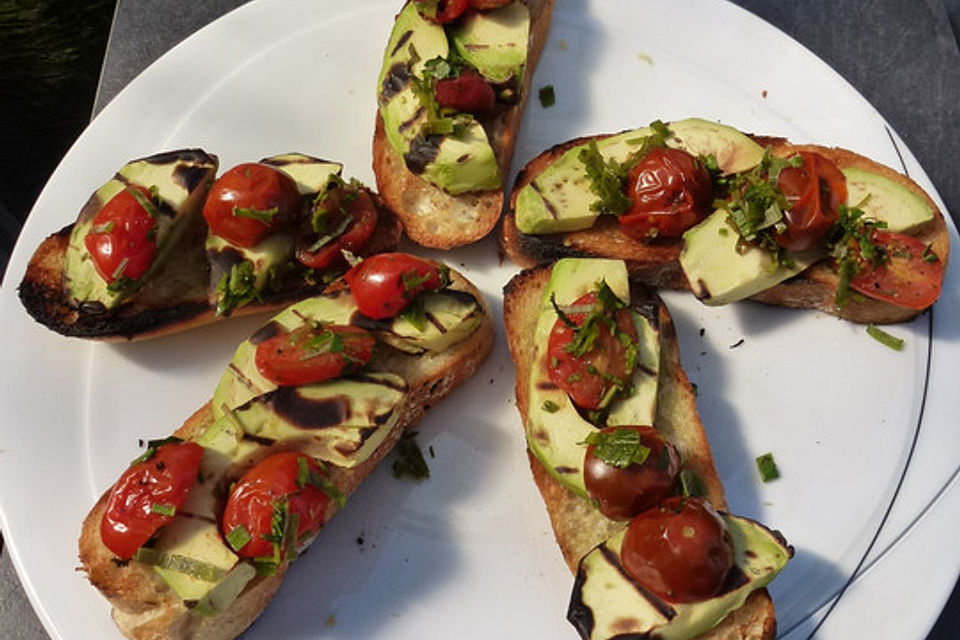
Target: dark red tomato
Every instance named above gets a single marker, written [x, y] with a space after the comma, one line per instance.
[815, 192]
[249, 201]
[680, 550]
[671, 192]
[622, 493]
[383, 285]
[146, 494]
[349, 221]
[273, 480]
[310, 354]
[467, 93]
[911, 276]
[441, 11]
[122, 240]
[589, 378]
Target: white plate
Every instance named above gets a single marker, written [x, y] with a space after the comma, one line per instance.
[865, 437]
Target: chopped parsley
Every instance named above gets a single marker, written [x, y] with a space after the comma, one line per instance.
[550, 406]
[236, 287]
[152, 446]
[619, 448]
[851, 245]
[547, 96]
[885, 338]
[409, 461]
[767, 467]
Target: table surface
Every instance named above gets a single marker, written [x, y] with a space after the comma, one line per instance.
[901, 55]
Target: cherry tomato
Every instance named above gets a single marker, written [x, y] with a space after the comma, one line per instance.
[350, 214]
[483, 5]
[590, 378]
[249, 201]
[671, 192]
[276, 479]
[146, 494]
[911, 276]
[467, 93]
[383, 285]
[815, 192]
[680, 550]
[441, 11]
[310, 354]
[122, 239]
[623, 492]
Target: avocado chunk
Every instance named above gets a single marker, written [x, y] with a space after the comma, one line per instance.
[495, 41]
[340, 421]
[191, 556]
[555, 429]
[608, 604]
[883, 199]
[721, 269]
[312, 175]
[559, 199]
[181, 180]
[458, 162]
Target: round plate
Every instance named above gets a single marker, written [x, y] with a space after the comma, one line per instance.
[864, 436]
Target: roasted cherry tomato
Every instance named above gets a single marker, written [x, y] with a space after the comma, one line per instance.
[280, 478]
[591, 378]
[347, 218]
[122, 239]
[384, 284]
[623, 491]
[441, 11]
[147, 495]
[311, 354]
[681, 550]
[911, 276]
[671, 192]
[249, 201]
[815, 192]
[467, 93]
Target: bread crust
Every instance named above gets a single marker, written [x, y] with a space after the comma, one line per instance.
[173, 299]
[657, 264]
[145, 608]
[432, 217]
[578, 526]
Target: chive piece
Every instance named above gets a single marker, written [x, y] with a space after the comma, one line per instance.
[181, 564]
[164, 509]
[238, 537]
[550, 406]
[548, 96]
[885, 338]
[767, 467]
[263, 215]
[691, 485]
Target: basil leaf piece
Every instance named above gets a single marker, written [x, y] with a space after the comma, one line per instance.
[767, 467]
[619, 448]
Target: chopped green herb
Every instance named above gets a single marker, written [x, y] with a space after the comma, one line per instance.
[163, 509]
[238, 537]
[619, 448]
[236, 287]
[691, 484]
[550, 406]
[409, 461]
[152, 446]
[181, 564]
[607, 178]
[548, 97]
[265, 216]
[767, 467]
[885, 338]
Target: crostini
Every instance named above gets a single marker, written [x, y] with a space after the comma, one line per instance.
[451, 90]
[698, 205]
[196, 535]
[619, 454]
[165, 244]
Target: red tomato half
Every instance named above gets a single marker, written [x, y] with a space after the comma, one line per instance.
[311, 354]
[681, 550]
[273, 480]
[144, 496]
[815, 192]
[249, 201]
[622, 493]
[467, 93]
[589, 378]
[910, 277]
[383, 285]
[122, 241]
[349, 221]
[441, 11]
[671, 192]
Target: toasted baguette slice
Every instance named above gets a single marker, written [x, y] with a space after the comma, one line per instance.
[145, 608]
[578, 526]
[656, 263]
[432, 217]
[174, 298]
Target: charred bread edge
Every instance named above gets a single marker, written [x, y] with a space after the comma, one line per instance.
[145, 607]
[570, 515]
[657, 264]
[422, 206]
[41, 294]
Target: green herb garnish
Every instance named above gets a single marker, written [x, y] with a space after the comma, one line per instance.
[547, 96]
[550, 406]
[607, 178]
[767, 467]
[409, 461]
[691, 484]
[265, 216]
[152, 446]
[885, 338]
[163, 509]
[236, 287]
[619, 448]
[238, 537]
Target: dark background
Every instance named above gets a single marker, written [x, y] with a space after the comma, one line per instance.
[902, 55]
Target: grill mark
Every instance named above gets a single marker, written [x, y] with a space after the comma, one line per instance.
[401, 41]
[546, 203]
[395, 80]
[423, 152]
